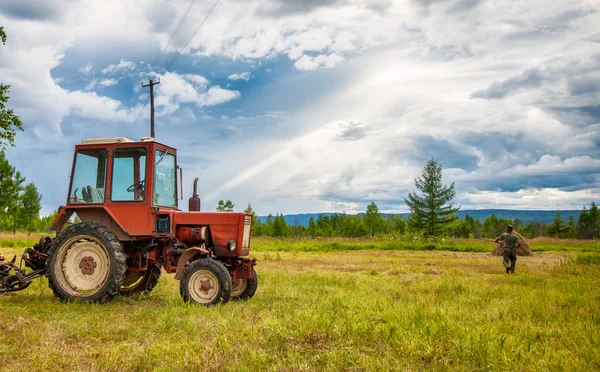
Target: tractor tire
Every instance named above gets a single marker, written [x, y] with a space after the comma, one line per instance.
[144, 282]
[246, 288]
[205, 282]
[86, 264]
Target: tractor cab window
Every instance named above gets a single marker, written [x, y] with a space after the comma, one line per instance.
[129, 174]
[164, 179]
[88, 183]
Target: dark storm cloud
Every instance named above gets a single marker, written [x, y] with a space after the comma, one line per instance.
[453, 6]
[287, 7]
[531, 78]
[451, 155]
[32, 9]
[501, 145]
[510, 180]
[582, 85]
[380, 6]
[578, 116]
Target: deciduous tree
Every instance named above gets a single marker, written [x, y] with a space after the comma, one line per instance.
[31, 206]
[225, 206]
[9, 121]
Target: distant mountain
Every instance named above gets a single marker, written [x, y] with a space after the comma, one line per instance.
[479, 214]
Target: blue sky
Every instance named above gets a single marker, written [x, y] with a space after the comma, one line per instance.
[320, 105]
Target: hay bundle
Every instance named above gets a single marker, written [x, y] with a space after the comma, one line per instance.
[523, 250]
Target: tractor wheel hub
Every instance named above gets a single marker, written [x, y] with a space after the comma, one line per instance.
[87, 265]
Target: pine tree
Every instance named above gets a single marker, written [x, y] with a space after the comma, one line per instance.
[312, 227]
[372, 219]
[558, 227]
[432, 211]
[571, 230]
[280, 226]
[589, 221]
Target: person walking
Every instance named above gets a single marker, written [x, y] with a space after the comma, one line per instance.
[511, 242]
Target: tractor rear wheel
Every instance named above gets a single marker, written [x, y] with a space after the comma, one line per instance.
[86, 264]
[141, 281]
[206, 282]
[245, 288]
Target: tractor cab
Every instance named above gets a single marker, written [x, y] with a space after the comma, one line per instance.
[117, 170]
[123, 184]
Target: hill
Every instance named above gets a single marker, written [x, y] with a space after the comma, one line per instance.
[544, 216]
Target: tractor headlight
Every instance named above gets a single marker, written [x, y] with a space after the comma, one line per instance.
[231, 245]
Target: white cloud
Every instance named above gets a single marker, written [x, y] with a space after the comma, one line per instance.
[108, 82]
[217, 95]
[239, 76]
[86, 70]
[176, 89]
[91, 85]
[308, 63]
[123, 65]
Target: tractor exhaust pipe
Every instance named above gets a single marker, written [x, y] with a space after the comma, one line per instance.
[194, 204]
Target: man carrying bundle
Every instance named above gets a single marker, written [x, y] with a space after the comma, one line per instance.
[511, 242]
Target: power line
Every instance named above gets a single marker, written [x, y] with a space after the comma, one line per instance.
[172, 36]
[177, 55]
[137, 94]
[190, 39]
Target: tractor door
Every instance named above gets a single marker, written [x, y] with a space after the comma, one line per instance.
[164, 190]
[88, 182]
[129, 197]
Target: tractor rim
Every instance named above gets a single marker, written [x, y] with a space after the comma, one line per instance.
[82, 266]
[204, 286]
[239, 288]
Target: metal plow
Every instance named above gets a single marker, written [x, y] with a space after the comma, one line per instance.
[15, 278]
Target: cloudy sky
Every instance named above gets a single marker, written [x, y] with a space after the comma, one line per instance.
[318, 105]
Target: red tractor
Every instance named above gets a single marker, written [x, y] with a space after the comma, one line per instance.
[125, 193]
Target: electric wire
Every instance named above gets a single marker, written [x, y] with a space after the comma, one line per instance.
[137, 93]
[195, 32]
[177, 55]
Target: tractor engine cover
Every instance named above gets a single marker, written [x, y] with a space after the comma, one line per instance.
[191, 235]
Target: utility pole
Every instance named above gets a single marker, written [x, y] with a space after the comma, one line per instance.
[151, 84]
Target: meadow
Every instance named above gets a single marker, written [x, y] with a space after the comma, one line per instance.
[334, 305]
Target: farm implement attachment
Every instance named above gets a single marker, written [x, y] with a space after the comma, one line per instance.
[14, 277]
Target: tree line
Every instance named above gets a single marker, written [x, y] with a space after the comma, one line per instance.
[372, 223]
[20, 202]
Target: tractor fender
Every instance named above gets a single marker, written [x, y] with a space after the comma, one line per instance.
[62, 216]
[189, 253]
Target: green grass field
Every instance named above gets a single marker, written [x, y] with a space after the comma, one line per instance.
[327, 306]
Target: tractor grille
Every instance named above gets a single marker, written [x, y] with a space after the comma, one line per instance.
[247, 228]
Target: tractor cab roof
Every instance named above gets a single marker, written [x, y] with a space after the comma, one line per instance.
[112, 141]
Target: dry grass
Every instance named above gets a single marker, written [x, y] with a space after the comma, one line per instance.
[351, 310]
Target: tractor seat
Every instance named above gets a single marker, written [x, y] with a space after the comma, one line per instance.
[93, 194]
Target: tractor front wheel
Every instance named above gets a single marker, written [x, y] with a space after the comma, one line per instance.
[86, 264]
[141, 281]
[205, 282]
[244, 289]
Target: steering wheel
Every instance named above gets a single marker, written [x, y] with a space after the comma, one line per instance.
[139, 186]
